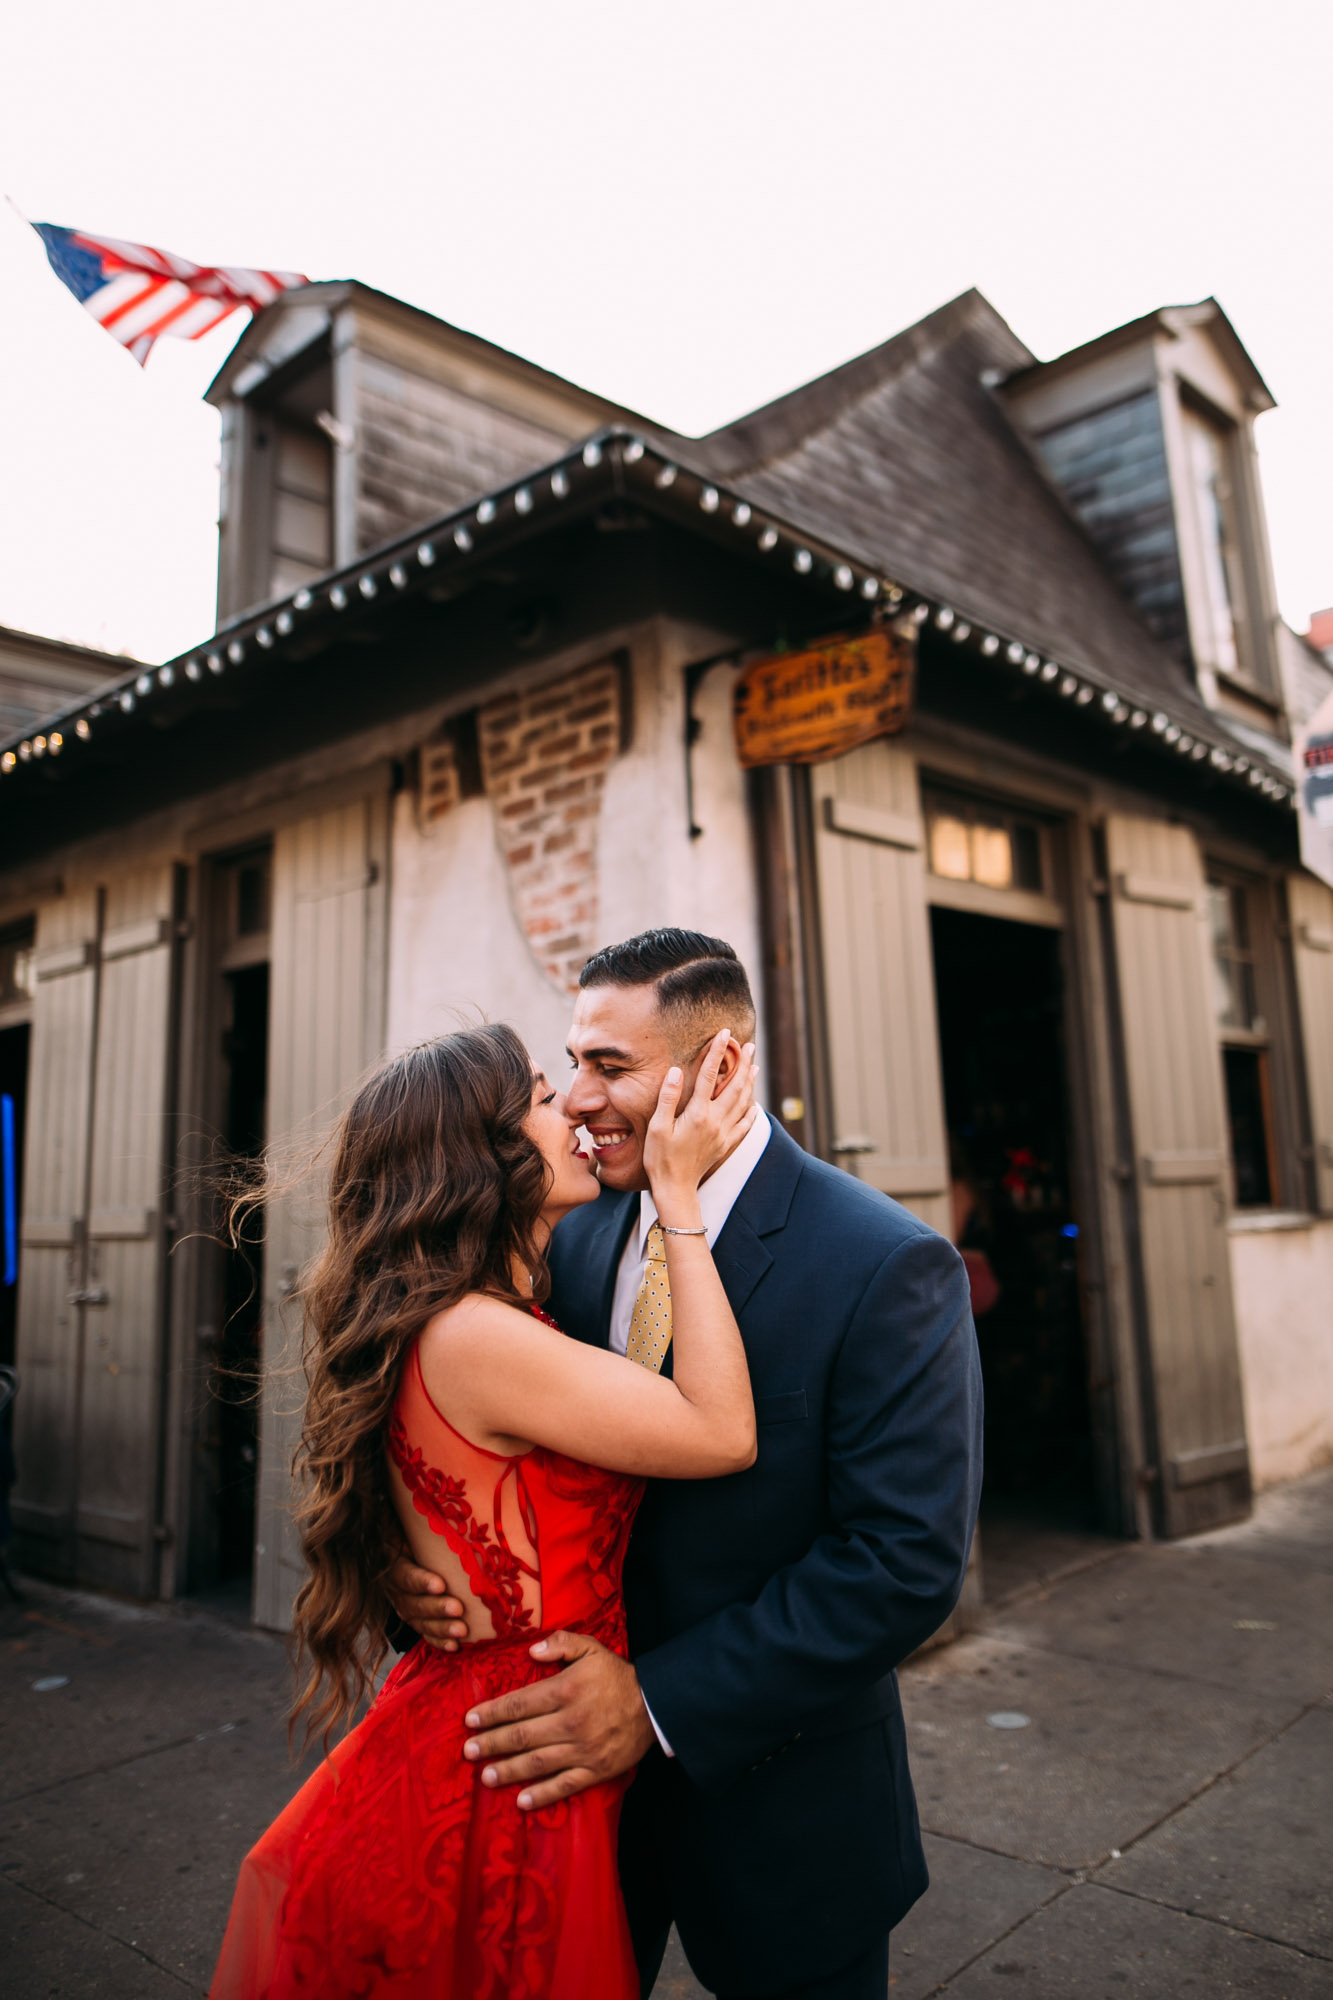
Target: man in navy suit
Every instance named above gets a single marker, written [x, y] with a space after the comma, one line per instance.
[773, 1819]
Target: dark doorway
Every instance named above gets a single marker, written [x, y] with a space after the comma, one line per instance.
[1001, 1015]
[236, 1379]
[13, 1100]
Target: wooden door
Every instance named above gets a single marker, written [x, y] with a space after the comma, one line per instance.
[326, 1021]
[54, 1230]
[878, 978]
[1178, 1124]
[119, 1417]
[1310, 905]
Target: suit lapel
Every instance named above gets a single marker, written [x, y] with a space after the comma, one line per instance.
[609, 1225]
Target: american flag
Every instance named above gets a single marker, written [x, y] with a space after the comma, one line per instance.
[139, 294]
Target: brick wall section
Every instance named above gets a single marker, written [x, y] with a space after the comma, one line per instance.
[544, 758]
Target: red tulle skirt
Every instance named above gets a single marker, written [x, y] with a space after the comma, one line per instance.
[396, 1872]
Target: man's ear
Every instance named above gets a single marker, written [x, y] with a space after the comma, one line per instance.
[731, 1055]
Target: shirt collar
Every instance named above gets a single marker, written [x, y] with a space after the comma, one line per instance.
[719, 1193]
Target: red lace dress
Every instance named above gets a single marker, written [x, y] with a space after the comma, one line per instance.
[395, 1871]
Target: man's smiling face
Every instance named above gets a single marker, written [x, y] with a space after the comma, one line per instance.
[620, 1052]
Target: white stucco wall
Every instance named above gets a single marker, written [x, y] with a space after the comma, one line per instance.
[1283, 1281]
[455, 945]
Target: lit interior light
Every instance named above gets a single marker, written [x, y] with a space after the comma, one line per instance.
[592, 453]
[768, 540]
[709, 499]
[523, 500]
[367, 586]
[740, 513]
[560, 482]
[842, 577]
[398, 576]
[486, 513]
[426, 553]
[803, 561]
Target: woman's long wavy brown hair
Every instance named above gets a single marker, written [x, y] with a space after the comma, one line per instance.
[435, 1190]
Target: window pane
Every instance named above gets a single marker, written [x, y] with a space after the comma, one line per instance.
[17, 969]
[992, 862]
[1249, 1127]
[950, 851]
[1207, 450]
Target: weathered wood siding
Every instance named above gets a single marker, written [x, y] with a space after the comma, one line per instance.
[879, 986]
[424, 447]
[1310, 904]
[1174, 1078]
[325, 1028]
[1111, 467]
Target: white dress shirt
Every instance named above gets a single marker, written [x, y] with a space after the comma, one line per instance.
[717, 1197]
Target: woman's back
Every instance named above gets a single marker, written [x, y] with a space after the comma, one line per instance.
[535, 1540]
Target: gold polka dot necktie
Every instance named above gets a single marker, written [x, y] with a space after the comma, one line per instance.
[650, 1326]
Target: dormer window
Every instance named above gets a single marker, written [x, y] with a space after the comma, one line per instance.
[1211, 446]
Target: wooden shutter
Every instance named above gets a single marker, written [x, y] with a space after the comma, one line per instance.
[1178, 1123]
[879, 985]
[325, 1027]
[119, 1416]
[53, 1230]
[1310, 905]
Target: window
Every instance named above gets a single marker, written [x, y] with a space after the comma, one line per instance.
[1236, 975]
[1217, 623]
[969, 842]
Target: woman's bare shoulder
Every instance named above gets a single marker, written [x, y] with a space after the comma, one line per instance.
[476, 1320]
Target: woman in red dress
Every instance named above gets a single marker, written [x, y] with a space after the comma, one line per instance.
[446, 1411]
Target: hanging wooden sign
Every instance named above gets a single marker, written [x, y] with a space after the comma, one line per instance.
[799, 708]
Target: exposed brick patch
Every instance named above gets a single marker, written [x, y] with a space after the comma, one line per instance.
[441, 787]
[544, 759]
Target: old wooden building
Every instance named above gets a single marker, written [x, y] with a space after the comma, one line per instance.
[1044, 965]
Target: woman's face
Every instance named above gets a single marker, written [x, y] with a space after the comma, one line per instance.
[573, 1180]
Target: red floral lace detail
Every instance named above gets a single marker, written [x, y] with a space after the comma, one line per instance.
[496, 1572]
[615, 1499]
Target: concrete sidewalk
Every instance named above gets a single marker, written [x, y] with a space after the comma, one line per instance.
[1159, 1824]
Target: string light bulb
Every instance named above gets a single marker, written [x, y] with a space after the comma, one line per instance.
[990, 645]
[768, 540]
[634, 451]
[710, 499]
[426, 553]
[367, 586]
[870, 589]
[523, 500]
[264, 637]
[842, 577]
[666, 476]
[592, 453]
[803, 562]
[303, 599]
[83, 729]
[338, 597]
[740, 514]
[560, 482]
[398, 576]
[486, 513]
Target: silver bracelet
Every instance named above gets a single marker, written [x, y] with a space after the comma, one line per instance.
[667, 1230]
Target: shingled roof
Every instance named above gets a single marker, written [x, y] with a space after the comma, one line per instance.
[905, 459]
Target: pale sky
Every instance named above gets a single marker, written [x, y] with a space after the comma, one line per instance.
[689, 207]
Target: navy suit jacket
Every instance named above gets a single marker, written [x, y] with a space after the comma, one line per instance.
[768, 1610]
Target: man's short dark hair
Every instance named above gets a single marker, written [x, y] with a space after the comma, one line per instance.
[697, 977]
